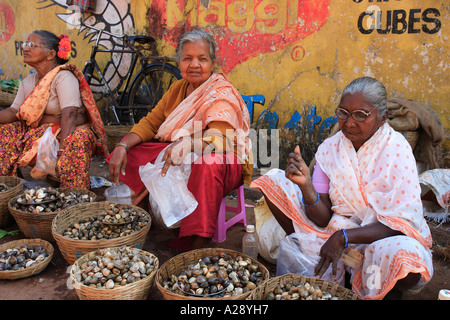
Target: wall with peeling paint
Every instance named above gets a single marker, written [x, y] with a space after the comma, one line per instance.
[298, 54]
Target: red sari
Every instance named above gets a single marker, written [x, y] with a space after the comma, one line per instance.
[210, 180]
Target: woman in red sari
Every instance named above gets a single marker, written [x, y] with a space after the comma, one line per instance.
[55, 96]
[200, 113]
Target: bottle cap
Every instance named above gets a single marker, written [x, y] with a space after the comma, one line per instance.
[444, 294]
[250, 228]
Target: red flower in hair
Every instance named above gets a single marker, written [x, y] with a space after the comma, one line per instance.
[64, 47]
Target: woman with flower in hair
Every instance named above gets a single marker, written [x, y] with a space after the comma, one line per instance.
[56, 96]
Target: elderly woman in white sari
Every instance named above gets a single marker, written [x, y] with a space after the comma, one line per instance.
[364, 193]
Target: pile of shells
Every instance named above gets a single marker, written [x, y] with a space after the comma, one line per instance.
[116, 214]
[4, 187]
[23, 257]
[94, 228]
[217, 276]
[299, 291]
[48, 199]
[112, 267]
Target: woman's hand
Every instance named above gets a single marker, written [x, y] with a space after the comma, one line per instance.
[296, 169]
[8, 115]
[176, 152]
[330, 252]
[117, 163]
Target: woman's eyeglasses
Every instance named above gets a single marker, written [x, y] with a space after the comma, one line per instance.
[31, 44]
[358, 115]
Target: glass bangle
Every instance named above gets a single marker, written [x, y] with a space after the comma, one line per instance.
[123, 145]
[311, 205]
[345, 237]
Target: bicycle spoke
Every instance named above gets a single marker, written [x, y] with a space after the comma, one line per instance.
[149, 89]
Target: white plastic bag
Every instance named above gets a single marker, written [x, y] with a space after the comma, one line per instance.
[268, 230]
[438, 180]
[47, 155]
[298, 254]
[169, 197]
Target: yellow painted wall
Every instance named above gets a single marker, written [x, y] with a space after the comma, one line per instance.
[413, 63]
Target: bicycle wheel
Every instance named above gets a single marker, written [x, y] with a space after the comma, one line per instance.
[149, 86]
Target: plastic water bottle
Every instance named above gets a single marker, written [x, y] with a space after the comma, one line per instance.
[249, 243]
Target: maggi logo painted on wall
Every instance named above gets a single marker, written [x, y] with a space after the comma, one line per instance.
[242, 28]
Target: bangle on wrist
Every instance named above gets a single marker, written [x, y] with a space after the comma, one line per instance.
[311, 205]
[344, 232]
[123, 145]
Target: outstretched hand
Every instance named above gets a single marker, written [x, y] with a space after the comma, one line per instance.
[175, 153]
[296, 169]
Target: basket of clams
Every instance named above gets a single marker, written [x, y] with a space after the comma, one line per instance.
[119, 273]
[87, 227]
[9, 188]
[35, 209]
[297, 287]
[24, 258]
[212, 273]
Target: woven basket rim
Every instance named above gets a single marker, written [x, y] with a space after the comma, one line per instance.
[260, 292]
[17, 187]
[81, 286]
[159, 278]
[72, 249]
[55, 233]
[37, 268]
[44, 214]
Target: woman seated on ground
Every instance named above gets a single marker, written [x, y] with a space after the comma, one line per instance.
[364, 193]
[205, 104]
[56, 96]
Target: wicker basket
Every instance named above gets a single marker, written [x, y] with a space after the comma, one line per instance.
[261, 292]
[7, 97]
[30, 271]
[17, 186]
[138, 290]
[73, 249]
[178, 263]
[39, 225]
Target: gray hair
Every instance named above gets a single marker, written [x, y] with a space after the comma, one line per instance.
[50, 41]
[372, 89]
[193, 36]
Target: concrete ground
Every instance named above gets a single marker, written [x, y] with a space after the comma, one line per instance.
[52, 283]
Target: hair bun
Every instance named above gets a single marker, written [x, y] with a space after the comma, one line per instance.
[64, 47]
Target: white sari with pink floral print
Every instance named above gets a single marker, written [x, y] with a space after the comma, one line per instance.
[379, 182]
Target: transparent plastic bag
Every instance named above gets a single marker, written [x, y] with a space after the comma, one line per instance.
[47, 155]
[169, 197]
[298, 254]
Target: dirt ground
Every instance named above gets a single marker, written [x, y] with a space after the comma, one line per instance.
[52, 283]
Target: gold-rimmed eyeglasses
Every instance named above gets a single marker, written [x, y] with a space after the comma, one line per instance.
[31, 44]
[358, 115]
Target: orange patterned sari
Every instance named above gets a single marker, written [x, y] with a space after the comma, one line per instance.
[32, 110]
